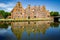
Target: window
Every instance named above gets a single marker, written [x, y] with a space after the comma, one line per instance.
[22, 16]
[18, 16]
[19, 4]
[16, 13]
[21, 13]
[14, 17]
[34, 22]
[48, 16]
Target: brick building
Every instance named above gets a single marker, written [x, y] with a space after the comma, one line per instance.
[29, 12]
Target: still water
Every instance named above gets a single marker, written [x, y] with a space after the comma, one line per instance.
[36, 30]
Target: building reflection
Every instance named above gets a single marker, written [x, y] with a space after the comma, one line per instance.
[36, 27]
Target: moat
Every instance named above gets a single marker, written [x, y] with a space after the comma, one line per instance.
[30, 30]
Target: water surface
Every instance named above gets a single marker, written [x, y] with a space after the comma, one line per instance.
[31, 30]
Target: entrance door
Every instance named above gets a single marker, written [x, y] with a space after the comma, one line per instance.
[34, 16]
[28, 17]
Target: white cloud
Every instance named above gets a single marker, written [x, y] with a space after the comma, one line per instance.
[7, 7]
[2, 5]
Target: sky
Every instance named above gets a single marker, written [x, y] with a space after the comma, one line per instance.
[51, 5]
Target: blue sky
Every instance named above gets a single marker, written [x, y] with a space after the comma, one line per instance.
[51, 5]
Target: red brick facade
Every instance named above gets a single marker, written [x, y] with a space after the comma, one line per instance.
[30, 12]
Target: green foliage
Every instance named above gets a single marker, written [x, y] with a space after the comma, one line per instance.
[54, 13]
[54, 24]
[3, 25]
[5, 14]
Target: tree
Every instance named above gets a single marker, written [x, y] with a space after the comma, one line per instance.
[2, 11]
[5, 14]
[54, 13]
[3, 25]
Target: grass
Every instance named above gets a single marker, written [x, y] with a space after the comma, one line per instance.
[22, 19]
